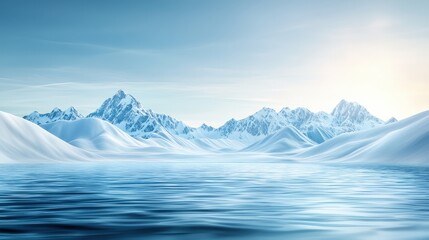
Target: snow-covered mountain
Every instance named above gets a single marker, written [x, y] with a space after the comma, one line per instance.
[319, 126]
[123, 111]
[55, 115]
[352, 117]
[391, 120]
[23, 141]
[126, 113]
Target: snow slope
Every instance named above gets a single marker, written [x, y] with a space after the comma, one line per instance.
[403, 142]
[288, 139]
[93, 134]
[23, 141]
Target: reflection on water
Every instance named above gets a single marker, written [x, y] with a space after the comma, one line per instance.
[213, 200]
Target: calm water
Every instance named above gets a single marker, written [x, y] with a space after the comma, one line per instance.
[213, 200]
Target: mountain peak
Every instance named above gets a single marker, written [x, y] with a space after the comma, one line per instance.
[70, 109]
[350, 113]
[123, 99]
[265, 111]
[206, 127]
[120, 93]
[71, 114]
[391, 120]
[119, 104]
[124, 111]
[346, 106]
[56, 109]
[285, 109]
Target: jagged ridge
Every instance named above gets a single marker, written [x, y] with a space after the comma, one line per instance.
[125, 112]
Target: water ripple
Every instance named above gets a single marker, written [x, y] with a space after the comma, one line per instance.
[213, 200]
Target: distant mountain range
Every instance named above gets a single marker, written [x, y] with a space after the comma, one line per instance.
[91, 139]
[122, 129]
[126, 113]
[56, 114]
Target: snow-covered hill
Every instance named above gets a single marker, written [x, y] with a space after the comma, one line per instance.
[23, 141]
[98, 135]
[93, 134]
[288, 139]
[403, 142]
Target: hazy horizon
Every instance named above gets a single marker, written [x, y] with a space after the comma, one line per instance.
[209, 61]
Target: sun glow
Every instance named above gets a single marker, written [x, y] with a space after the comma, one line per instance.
[371, 75]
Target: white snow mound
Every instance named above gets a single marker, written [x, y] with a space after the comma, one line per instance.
[403, 142]
[93, 134]
[24, 141]
[286, 140]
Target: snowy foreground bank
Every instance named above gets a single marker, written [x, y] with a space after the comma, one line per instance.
[90, 139]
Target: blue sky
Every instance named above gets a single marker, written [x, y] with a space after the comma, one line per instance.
[209, 61]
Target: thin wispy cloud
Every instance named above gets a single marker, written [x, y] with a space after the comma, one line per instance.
[272, 54]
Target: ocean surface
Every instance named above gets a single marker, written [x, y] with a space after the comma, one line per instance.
[213, 200]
